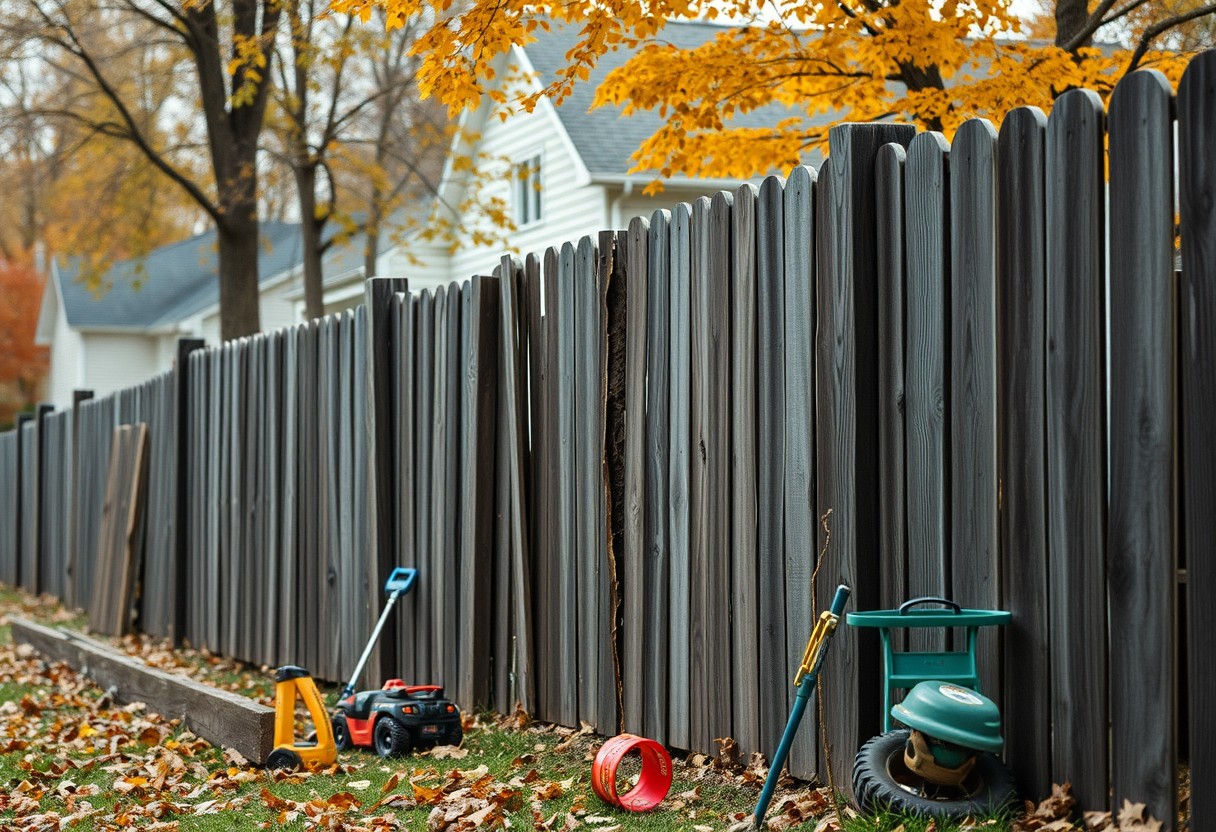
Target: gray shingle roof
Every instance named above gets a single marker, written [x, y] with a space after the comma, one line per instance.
[169, 284]
[602, 137]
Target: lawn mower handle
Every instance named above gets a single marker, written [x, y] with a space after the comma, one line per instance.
[399, 583]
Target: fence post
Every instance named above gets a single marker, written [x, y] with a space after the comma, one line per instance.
[382, 546]
[179, 571]
[35, 584]
[69, 587]
[20, 485]
[847, 417]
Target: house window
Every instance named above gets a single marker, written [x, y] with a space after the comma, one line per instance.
[526, 176]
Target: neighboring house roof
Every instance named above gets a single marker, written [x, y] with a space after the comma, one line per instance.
[169, 284]
[604, 138]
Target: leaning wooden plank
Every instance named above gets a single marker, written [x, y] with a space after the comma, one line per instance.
[1141, 549]
[1197, 158]
[633, 556]
[1022, 443]
[773, 675]
[744, 560]
[678, 497]
[974, 570]
[513, 372]
[221, 717]
[113, 592]
[1076, 440]
[925, 191]
[800, 516]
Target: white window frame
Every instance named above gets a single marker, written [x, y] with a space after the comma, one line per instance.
[524, 207]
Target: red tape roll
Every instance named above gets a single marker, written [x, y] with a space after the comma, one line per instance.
[653, 784]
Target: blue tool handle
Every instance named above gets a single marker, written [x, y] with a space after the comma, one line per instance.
[801, 699]
[401, 580]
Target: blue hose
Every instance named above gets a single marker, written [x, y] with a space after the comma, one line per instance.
[806, 689]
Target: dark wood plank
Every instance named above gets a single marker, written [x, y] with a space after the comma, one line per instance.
[926, 405]
[423, 477]
[679, 478]
[568, 711]
[974, 538]
[434, 579]
[369, 576]
[1141, 553]
[449, 566]
[702, 685]
[846, 422]
[186, 408]
[889, 181]
[611, 509]
[800, 518]
[1197, 191]
[743, 454]
[549, 636]
[1076, 441]
[114, 586]
[405, 310]
[538, 533]
[635, 576]
[289, 491]
[503, 585]
[476, 527]
[655, 551]
[1021, 270]
[774, 678]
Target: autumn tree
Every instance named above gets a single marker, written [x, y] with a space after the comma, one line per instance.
[933, 63]
[223, 47]
[23, 364]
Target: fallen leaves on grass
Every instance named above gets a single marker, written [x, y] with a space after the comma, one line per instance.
[1052, 815]
[1132, 817]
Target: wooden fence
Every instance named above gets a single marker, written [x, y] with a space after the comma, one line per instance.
[609, 460]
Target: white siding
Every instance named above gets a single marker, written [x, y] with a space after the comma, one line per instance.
[115, 361]
[65, 375]
[278, 310]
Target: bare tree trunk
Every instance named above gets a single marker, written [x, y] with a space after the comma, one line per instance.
[1072, 16]
[371, 245]
[310, 230]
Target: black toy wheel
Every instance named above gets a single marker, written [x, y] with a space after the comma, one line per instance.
[881, 780]
[390, 737]
[283, 758]
[455, 735]
[341, 732]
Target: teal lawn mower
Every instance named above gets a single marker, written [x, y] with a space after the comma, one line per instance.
[944, 762]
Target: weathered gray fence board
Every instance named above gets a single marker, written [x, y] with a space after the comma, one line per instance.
[1197, 157]
[424, 418]
[568, 708]
[926, 400]
[1140, 544]
[554, 638]
[679, 506]
[744, 574]
[701, 683]
[1021, 270]
[889, 186]
[1076, 441]
[634, 557]
[774, 677]
[447, 570]
[974, 568]
[440, 421]
[800, 517]
[610, 510]
[655, 551]
[537, 507]
[589, 486]
[847, 422]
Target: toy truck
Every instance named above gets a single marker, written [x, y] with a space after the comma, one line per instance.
[397, 719]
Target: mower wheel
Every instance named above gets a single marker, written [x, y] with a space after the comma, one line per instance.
[341, 733]
[390, 737]
[455, 736]
[881, 780]
[283, 758]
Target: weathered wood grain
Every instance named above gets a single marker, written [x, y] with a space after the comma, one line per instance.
[449, 564]
[974, 538]
[423, 461]
[889, 184]
[774, 676]
[680, 446]
[655, 549]
[800, 517]
[569, 706]
[552, 639]
[926, 396]
[538, 526]
[846, 422]
[702, 686]
[1076, 441]
[1021, 284]
[611, 508]
[744, 566]
[635, 578]
[1141, 553]
[115, 577]
[1197, 168]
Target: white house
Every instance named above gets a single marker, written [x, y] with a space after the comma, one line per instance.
[128, 331]
[566, 171]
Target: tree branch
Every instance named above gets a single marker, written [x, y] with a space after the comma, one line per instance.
[1157, 29]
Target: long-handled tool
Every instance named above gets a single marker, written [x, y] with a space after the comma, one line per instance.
[808, 675]
[399, 583]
